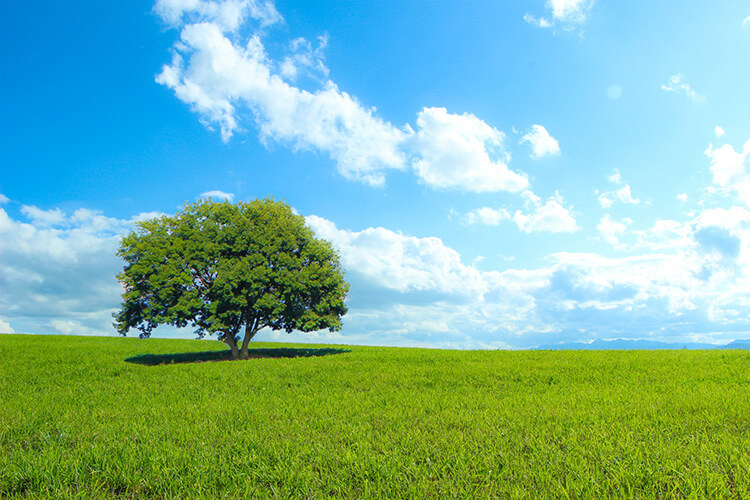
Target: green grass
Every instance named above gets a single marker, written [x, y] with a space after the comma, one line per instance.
[78, 420]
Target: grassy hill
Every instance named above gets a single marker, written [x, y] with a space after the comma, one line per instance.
[79, 420]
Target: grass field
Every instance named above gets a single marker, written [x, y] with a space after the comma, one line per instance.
[78, 420]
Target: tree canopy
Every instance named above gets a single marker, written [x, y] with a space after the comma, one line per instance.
[223, 267]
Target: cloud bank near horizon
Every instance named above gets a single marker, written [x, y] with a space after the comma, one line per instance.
[679, 280]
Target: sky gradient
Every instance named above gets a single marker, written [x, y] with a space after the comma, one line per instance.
[494, 174]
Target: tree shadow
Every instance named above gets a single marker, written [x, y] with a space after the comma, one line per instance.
[205, 356]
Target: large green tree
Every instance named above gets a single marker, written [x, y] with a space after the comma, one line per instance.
[224, 268]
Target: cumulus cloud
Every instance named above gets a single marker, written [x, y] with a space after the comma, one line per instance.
[487, 216]
[418, 291]
[57, 270]
[396, 279]
[678, 84]
[3, 199]
[731, 169]
[719, 131]
[400, 262]
[716, 243]
[570, 11]
[5, 327]
[695, 270]
[610, 230]
[218, 195]
[567, 14]
[539, 22]
[622, 194]
[41, 217]
[542, 144]
[230, 81]
[229, 14]
[214, 76]
[689, 278]
[549, 217]
[665, 234]
[722, 238]
[615, 177]
[462, 151]
[591, 281]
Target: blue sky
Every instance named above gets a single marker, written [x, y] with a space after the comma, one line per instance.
[495, 174]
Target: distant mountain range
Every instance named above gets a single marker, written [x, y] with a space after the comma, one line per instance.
[641, 344]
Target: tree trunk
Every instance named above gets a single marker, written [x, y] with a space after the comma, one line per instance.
[250, 330]
[232, 343]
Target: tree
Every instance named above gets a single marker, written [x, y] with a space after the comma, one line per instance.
[222, 267]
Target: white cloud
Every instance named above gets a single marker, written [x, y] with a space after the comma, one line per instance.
[542, 144]
[143, 216]
[719, 131]
[57, 272]
[5, 327]
[693, 279]
[746, 22]
[229, 82]
[215, 76]
[570, 11]
[591, 281]
[550, 217]
[610, 230]
[400, 262]
[487, 216]
[569, 14]
[731, 169]
[463, 152]
[218, 195]
[615, 177]
[304, 59]
[665, 234]
[3, 199]
[735, 218]
[678, 84]
[417, 291]
[688, 286]
[722, 240]
[538, 22]
[229, 14]
[697, 271]
[622, 194]
[716, 242]
[41, 217]
[683, 197]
